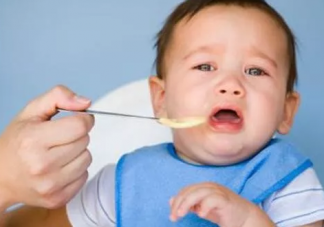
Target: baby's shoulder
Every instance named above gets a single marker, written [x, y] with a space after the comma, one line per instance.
[301, 200]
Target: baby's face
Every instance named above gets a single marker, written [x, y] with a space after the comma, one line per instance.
[229, 64]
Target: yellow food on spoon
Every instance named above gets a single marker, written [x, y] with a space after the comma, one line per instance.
[182, 122]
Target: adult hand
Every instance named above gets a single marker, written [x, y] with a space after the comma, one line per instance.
[44, 162]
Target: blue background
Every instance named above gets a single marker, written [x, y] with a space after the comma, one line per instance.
[95, 46]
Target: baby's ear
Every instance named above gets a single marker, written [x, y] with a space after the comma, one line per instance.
[157, 88]
[291, 107]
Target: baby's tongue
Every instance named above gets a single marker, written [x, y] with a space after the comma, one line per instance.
[227, 116]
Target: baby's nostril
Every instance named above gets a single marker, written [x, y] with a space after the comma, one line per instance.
[237, 93]
[223, 91]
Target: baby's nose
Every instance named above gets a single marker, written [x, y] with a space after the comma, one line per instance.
[231, 88]
[236, 92]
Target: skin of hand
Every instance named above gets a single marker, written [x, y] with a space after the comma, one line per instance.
[44, 162]
[219, 205]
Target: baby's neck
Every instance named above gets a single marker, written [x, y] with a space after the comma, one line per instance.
[187, 159]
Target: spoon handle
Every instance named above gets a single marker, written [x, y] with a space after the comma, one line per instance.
[108, 113]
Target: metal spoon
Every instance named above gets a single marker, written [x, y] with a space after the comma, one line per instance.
[172, 123]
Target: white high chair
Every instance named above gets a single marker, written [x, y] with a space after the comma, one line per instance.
[113, 136]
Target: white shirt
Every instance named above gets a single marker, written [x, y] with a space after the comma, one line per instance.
[301, 202]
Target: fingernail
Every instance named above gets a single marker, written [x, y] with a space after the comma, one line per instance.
[81, 99]
[172, 218]
[181, 212]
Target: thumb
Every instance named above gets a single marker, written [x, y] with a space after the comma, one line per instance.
[45, 106]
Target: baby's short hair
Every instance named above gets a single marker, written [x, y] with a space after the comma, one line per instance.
[189, 8]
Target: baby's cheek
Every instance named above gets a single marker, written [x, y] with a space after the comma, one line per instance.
[197, 103]
[263, 116]
[182, 106]
[274, 107]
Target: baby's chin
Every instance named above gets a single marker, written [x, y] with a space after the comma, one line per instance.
[216, 149]
[224, 152]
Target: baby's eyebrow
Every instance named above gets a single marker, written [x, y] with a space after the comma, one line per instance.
[257, 52]
[205, 49]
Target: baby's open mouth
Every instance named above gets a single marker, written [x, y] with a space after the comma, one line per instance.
[226, 119]
[227, 116]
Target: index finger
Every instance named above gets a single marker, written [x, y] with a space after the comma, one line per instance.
[45, 106]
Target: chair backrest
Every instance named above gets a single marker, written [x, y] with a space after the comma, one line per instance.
[113, 136]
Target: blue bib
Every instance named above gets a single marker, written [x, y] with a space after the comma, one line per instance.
[147, 178]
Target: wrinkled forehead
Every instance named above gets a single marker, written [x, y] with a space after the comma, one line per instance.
[229, 27]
